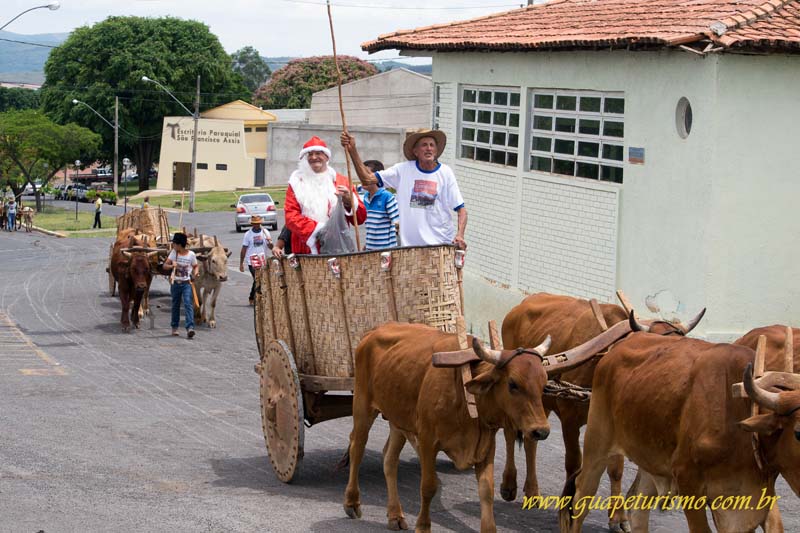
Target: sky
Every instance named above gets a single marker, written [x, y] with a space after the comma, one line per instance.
[273, 27]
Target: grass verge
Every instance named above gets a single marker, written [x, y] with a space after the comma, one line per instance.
[63, 220]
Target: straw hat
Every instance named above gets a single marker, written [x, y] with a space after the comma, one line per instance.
[256, 219]
[413, 138]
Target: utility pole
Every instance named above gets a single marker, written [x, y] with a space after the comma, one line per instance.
[116, 143]
[194, 147]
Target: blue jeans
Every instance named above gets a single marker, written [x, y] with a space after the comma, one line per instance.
[182, 291]
[12, 223]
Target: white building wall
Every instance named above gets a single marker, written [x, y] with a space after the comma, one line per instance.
[647, 235]
[398, 98]
[752, 246]
[568, 240]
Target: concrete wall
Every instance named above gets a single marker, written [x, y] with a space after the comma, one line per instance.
[290, 115]
[219, 142]
[286, 140]
[397, 98]
[687, 221]
[752, 241]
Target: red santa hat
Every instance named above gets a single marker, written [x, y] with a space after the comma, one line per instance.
[315, 144]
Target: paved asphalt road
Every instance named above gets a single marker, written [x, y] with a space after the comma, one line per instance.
[106, 431]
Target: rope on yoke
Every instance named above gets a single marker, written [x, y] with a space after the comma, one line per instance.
[567, 391]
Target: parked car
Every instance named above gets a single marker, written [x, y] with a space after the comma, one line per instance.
[256, 204]
[58, 191]
[29, 188]
[76, 189]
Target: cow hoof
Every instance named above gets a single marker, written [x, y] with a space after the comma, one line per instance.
[136, 326]
[508, 494]
[212, 323]
[353, 511]
[396, 524]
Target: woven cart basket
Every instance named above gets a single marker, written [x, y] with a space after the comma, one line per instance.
[323, 317]
[150, 221]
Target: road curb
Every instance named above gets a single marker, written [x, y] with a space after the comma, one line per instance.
[48, 232]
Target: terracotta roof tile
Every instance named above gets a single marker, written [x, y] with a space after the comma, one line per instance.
[611, 23]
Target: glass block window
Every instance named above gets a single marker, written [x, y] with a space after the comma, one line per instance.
[578, 133]
[490, 121]
[437, 98]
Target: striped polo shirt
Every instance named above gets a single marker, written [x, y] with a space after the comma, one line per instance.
[381, 216]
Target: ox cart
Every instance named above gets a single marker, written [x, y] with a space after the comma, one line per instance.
[151, 222]
[310, 314]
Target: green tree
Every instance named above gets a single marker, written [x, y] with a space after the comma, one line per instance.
[292, 86]
[18, 98]
[36, 148]
[251, 66]
[98, 62]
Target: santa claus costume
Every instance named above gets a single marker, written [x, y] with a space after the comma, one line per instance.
[310, 198]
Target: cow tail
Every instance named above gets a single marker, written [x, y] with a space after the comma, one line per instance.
[568, 495]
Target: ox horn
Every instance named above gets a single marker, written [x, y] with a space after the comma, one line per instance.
[635, 324]
[696, 320]
[126, 253]
[490, 356]
[152, 253]
[544, 346]
[202, 241]
[764, 398]
[216, 241]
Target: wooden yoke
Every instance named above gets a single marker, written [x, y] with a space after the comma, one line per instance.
[466, 372]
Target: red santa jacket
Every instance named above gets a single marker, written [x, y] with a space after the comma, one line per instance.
[302, 227]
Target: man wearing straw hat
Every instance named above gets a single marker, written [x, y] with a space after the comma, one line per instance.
[312, 194]
[427, 191]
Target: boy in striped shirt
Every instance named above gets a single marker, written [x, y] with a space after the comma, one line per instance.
[382, 213]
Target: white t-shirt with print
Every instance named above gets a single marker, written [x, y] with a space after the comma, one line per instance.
[256, 244]
[426, 201]
[183, 264]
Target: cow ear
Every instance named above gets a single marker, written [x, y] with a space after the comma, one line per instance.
[482, 383]
[766, 424]
[228, 254]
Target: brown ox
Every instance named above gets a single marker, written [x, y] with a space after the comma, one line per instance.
[666, 403]
[213, 271]
[571, 322]
[426, 406]
[130, 265]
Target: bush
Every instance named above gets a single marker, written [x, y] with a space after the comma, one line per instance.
[91, 195]
[108, 196]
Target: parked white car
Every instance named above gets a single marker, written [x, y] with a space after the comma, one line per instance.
[256, 204]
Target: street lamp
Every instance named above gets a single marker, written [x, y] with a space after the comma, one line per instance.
[115, 125]
[74, 190]
[126, 163]
[195, 116]
[52, 6]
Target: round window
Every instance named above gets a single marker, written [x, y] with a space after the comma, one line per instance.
[683, 117]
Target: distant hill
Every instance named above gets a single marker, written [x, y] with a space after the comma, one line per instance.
[383, 66]
[25, 62]
[277, 62]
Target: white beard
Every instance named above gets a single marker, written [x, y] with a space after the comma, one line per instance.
[315, 193]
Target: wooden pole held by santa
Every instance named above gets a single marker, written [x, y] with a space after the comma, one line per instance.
[344, 126]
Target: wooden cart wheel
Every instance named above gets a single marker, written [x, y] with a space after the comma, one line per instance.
[112, 283]
[281, 410]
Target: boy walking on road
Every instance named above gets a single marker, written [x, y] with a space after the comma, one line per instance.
[185, 264]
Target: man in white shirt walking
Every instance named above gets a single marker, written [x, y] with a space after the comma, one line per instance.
[427, 191]
[254, 250]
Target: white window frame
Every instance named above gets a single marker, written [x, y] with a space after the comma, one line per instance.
[578, 138]
[469, 147]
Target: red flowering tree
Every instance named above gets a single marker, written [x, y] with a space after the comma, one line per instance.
[291, 87]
